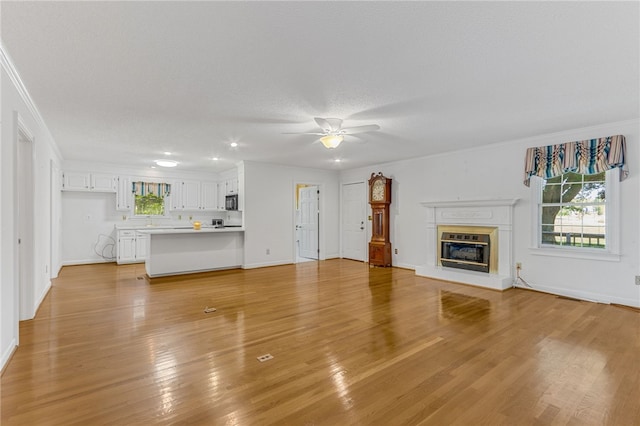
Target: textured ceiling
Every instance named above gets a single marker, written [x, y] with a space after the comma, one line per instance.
[122, 82]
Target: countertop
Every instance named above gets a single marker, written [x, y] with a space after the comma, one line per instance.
[153, 227]
[189, 230]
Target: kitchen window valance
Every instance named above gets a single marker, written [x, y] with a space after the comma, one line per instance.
[145, 188]
[587, 157]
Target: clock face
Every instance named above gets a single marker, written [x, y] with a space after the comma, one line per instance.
[377, 192]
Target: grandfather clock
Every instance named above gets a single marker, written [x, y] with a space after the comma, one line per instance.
[380, 198]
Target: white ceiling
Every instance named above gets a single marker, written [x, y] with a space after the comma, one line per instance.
[122, 82]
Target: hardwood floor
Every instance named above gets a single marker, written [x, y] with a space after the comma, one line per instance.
[351, 345]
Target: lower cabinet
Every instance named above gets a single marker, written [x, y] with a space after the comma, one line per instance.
[132, 246]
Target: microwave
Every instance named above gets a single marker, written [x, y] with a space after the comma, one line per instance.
[231, 202]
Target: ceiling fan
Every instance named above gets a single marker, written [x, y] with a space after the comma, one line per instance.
[332, 132]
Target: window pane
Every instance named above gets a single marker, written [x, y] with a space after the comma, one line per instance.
[551, 193]
[577, 216]
[149, 205]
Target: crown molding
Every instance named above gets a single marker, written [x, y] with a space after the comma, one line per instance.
[7, 64]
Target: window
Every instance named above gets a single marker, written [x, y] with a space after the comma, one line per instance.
[149, 198]
[577, 215]
[148, 205]
[573, 211]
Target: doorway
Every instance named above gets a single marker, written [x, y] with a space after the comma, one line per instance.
[354, 219]
[307, 234]
[24, 187]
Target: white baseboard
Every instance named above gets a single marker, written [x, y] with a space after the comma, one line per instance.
[265, 264]
[584, 295]
[85, 262]
[6, 354]
[44, 293]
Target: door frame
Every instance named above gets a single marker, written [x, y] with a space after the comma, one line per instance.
[321, 214]
[367, 224]
[24, 251]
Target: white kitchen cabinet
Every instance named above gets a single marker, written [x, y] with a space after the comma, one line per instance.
[124, 194]
[209, 196]
[85, 181]
[222, 193]
[102, 183]
[191, 195]
[175, 199]
[194, 196]
[231, 186]
[141, 246]
[126, 246]
[132, 246]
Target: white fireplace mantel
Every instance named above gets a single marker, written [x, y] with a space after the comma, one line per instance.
[496, 213]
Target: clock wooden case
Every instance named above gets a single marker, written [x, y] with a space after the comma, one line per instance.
[379, 198]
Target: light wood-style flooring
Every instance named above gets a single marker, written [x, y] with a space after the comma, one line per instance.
[351, 345]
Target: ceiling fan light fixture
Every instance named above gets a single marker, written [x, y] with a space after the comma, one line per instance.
[331, 141]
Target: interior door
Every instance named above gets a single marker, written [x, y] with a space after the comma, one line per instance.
[308, 223]
[25, 219]
[354, 208]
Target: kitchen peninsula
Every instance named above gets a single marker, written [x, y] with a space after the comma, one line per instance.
[184, 251]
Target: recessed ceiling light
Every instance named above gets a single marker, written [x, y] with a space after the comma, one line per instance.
[215, 158]
[167, 153]
[337, 160]
[166, 163]
[233, 144]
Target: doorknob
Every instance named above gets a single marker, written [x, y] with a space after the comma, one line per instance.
[362, 227]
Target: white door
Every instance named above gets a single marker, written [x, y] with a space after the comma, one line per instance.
[25, 218]
[307, 227]
[354, 216]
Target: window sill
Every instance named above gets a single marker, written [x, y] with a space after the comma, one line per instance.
[575, 253]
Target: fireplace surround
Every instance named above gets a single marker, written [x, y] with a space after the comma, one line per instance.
[489, 220]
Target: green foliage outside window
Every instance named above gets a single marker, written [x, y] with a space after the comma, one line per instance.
[149, 205]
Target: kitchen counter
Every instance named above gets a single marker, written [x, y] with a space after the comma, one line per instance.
[173, 251]
[189, 230]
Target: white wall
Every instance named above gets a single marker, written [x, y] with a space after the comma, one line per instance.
[89, 218]
[269, 193]
[15, 101]
[496, 172]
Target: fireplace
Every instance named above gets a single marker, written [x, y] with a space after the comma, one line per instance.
[473, 248]
[469, 242]
[465, 251]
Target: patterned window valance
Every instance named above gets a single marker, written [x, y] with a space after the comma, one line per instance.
[144, 188]
[586, 157]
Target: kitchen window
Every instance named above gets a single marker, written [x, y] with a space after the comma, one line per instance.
[149, 198]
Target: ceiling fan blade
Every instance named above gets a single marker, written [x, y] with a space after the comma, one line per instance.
[360, 129]
[329, 124]
[304, 133]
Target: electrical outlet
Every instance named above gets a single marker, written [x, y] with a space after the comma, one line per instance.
[268, 251]
[518, 265]
[396, 251]
[637, 279]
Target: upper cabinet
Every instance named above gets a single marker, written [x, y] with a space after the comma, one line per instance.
[194, 196]
[209, 196]
[81, 181]
[124, 194]
[231, 186]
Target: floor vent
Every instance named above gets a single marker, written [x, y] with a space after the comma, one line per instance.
[265, 357]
